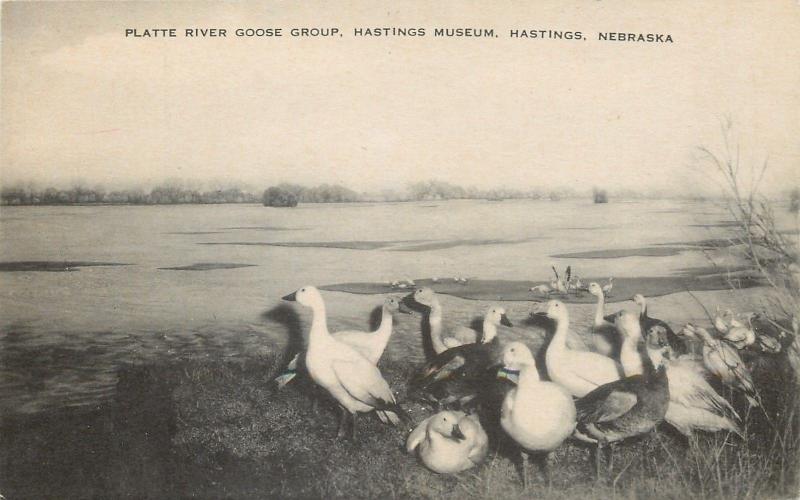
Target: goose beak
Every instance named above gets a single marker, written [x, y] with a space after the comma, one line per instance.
[403, 308]
[292, 297]
[457, 433]
[505, 321]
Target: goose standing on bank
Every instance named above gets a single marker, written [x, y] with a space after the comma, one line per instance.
[604, 333]
[579, 372]
[439, 340]
[647, 322]
[353, 381]
[693, 403]
[723, 360]
[369, 344]
[537, 415]
[456, 375]
[625, 408]
[449, 442]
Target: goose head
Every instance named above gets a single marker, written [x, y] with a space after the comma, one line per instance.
[554, 310]
[595, 289]
[517, 355]
[393, 305]
[688, 331]
[639, 300]
[656, 337]
[496, 315]
[308, 296]
[628, 325]
[446, 424]
[696, 332]
[425, 296]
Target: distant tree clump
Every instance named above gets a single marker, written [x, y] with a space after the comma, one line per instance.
[600, 195]
[279, 197]
[794, 200]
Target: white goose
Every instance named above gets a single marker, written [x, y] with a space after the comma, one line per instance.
[441, 342]
[604, 334]
[693, 403]
[579, 372]
[723, 360]
[369, 344]
[538, 415]
[353, 381]
[449, 442]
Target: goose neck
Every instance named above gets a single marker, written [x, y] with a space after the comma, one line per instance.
[319, 323]
[598, 313]
[489, 331]
[528, 375]
[560, 336]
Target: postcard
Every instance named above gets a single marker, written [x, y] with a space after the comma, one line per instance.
[399, 249]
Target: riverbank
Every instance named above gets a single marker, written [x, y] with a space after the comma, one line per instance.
[215, 427]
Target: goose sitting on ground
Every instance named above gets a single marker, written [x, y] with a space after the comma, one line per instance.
[369, 344]
[678, 347]
[625, 408]
[458, 374]
[449, 442]
[537, 415]
[693, 403]
[353, 381]
[723, 361]
[439, 340]
[579, 372]
[604, 334]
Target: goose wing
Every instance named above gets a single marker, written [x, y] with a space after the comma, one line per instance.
[689, 388]
[364, 382]
[468, 360]
[607, 402]
[417, 435]
[465, 335]
[362, 342]
[444, 366]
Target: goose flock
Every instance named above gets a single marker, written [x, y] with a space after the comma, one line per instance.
[639, 374]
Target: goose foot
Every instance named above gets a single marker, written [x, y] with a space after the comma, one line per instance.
[524, 470]
[545, 466]
[342, 422]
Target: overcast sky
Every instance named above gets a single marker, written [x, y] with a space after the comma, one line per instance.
[80, 101]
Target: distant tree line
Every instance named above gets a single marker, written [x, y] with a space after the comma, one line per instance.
[159, 195]
[286, 194]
